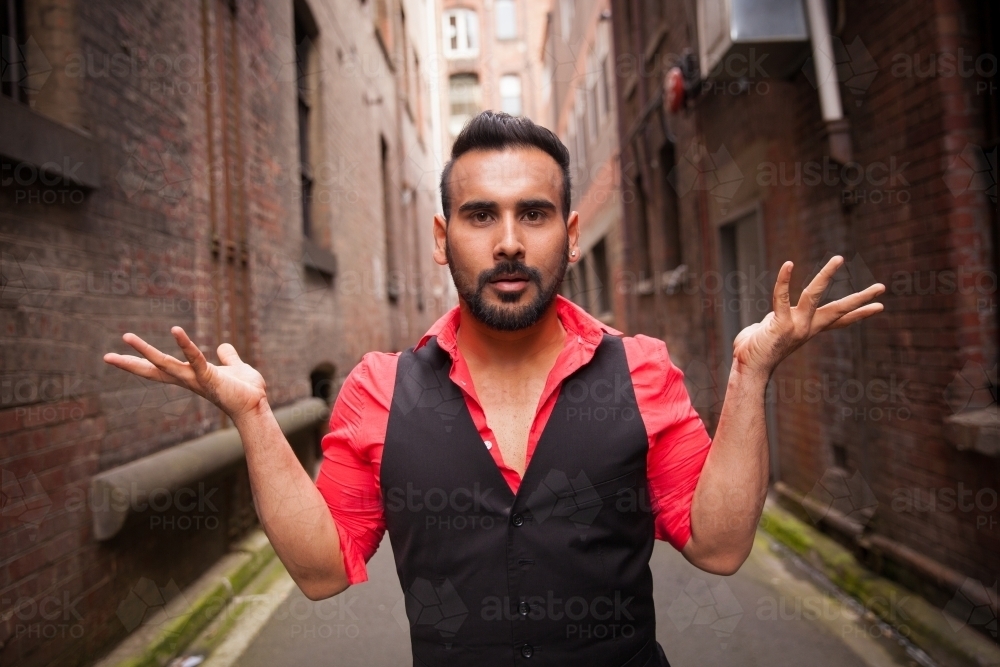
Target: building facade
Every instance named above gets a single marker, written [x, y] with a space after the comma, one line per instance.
[491, 58]
[874, 139]
[580, 62]
[260, 173]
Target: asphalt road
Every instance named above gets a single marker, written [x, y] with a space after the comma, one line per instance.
[771, 613]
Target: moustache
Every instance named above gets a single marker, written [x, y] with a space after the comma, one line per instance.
[508, 269]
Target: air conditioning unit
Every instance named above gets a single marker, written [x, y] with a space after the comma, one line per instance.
[751, 39]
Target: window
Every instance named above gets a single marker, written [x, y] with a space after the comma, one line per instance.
[745, 300]
[405, 57]
[463, 96]
[510, 94]
[506, 16]
[566, 15]
[575, 286]
[15, 80]
[392, 275]
[599, 255]
[582, 297]
[572, 146]
[304, 54]
[640, 251]
[581, 146]
[322, 381]
[589, 82]
[671, 209]
[461, 33]
[418, 94]
[605, 85]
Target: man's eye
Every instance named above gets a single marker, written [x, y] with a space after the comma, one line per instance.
[533, 216]
[481, 216]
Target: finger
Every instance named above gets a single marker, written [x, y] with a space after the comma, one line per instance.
[227, 355]
[814, 291]
[139, 366]
[194, 355]
[162, 361]
[781, 301]
[856, 316]
[837, 309]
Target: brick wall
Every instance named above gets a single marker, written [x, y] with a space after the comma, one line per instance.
[196, 222]
[870, 400]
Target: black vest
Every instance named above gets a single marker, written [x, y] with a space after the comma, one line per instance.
[557, 574]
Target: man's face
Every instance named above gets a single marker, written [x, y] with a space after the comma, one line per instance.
[506, 244]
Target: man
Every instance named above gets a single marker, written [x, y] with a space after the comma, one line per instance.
[522, 456]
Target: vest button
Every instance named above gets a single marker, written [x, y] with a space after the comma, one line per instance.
[517, 519]
[523, 609]
[527, 651]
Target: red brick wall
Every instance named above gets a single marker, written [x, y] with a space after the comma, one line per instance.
[136, 254]
[904, 124]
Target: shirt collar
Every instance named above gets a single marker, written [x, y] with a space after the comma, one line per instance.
[574, 319]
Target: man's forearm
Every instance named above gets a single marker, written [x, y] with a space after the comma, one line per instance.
[291, 508]
[731, 490]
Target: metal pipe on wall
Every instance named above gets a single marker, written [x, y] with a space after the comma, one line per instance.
[837, 127]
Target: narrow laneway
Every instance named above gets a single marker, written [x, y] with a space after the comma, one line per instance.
[770, 613]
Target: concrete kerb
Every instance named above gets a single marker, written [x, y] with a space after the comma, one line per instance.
[154, 644]
[912, 616]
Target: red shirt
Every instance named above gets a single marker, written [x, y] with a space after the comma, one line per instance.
[352, 450]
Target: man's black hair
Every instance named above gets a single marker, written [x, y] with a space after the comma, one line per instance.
[490, 130]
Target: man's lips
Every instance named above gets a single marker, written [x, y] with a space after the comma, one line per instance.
[510, 283]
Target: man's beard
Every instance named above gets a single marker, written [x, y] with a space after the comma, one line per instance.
[512, 318]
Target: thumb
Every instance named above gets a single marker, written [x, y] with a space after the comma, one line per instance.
[227, 355]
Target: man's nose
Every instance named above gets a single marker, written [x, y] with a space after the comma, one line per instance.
[509, 245]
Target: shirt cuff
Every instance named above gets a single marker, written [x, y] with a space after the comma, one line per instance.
[354, 563]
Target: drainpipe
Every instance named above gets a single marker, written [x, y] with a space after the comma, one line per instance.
[838, 129]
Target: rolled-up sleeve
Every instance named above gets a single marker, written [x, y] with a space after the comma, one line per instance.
[352, 453]
[678, 440]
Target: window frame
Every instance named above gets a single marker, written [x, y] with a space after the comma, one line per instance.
[510, 76]
[476, 101]
[466, 41]
[513, 33]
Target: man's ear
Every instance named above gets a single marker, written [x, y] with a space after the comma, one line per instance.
[573, 231]
[440, 240]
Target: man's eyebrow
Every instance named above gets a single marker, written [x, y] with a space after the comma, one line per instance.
[536, 203]
[477, 205]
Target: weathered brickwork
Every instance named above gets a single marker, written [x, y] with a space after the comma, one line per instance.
[875, 400]
[196, 220]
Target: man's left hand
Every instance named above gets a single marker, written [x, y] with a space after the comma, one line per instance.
[760, 347]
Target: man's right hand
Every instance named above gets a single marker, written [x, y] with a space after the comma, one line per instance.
[235, 387]
[291, 509]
